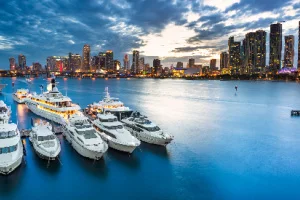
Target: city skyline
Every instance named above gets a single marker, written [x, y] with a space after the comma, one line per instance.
[172, 36]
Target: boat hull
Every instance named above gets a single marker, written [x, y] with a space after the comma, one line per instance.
[81, 150]
[6, 169]
[18, 100]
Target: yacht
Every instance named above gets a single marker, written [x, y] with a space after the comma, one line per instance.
[11, 147]
[20, 95]
[5, 110]
[44, 141]
[109, 104]
[145, 130]
[83, 137]
[52, 105]
[113, 132]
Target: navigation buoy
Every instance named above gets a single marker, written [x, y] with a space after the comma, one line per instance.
[236, 88]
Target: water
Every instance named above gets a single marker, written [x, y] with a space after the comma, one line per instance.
[227, 145]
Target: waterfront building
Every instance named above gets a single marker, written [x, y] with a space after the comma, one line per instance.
[141, 64]
[234, 55]
[57, 63]
[95, 63]
[147, 68]
[275, 46]
[299, 46]
[37, 67]
[212, 64]
[289, 51]
[74, 62]
[260, 51]
[135, 62]
[179, 65]
[156, 65]
[126, 62]
[12, 63]
[86, 56]
[191, 62]
[117, 65]
[102, 60]
[224, 60]
[109, 60]
[22, 62]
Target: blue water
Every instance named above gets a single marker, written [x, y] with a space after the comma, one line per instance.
[228, 145]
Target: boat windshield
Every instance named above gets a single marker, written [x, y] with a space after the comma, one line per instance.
[109, 120]
[87, 134]
[114, 127]
[152, 129]
[82, 125]
[46, 138]
[3, 109]
[7, 134]
[10, 149]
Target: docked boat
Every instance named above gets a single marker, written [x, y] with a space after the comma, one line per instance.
[20, 95]
[113, 132]
[145, 130]
[11, 147]
[44, 141]
[109, 104]
[52, 105]
[83, 137]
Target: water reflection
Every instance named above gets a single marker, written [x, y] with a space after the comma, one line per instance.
[156, 150]
[12, 181]
[128, 160]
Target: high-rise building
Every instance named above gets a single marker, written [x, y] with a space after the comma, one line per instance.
[109, 60]
[260, 51]
[117, 65]
[234, 55]
[289, 51]
[86, 56]
[22, 62]
[135, 62]
[299, 46]
[95, 63]
[141, 64]
[12, 63]
[213, 64]
[223, 60]
[126, 62]
[179, 65]
[74, 62]
[275, 46]
[250, 52]
[156, 65]
[191, 62]
[37, 66]
[102, 60]
[58, 63]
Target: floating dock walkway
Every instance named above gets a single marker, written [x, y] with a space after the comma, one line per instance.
[295, 113]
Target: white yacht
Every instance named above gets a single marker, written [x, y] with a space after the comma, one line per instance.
[20, 95]
[44, 141]
[5, 110]
[52, 105]
[113, 132]
[145, 130]
[11, 147]
[109, 104]
[84, 138]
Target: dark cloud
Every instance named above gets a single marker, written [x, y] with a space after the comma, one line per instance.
[191, 49]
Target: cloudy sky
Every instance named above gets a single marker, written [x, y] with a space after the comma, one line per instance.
[173, 30]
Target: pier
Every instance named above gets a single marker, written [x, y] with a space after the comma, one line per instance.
[295, 113]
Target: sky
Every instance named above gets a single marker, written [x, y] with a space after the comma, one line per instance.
[172, 30]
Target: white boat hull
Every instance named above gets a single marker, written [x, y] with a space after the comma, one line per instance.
[50, 116]
[7, 168]
[142, 136]
[81, 150]
[21, 101]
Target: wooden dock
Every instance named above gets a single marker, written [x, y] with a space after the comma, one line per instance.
[295, 113]
[25, 132]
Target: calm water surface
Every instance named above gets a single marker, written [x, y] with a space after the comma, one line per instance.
[227, 145]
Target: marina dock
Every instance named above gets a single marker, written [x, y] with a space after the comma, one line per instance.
[295, 113]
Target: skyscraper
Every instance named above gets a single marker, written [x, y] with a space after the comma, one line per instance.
[156, 65]
[12, 63]
[117, 65]
[86, 56]
[95, 63]
[141, 64]
[109, 60]
[223, 60]
[299, 46]
[250, 52]
[102, 60]
[126, 62]
[179, 65]
[260, 51]
[213, 64]
[22, 62]
[74, 62]
[234, 55]
[191, 62]
[289, 51]
[275, 46]
[135, 61]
